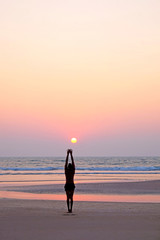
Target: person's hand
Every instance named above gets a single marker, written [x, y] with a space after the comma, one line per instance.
[68, 151]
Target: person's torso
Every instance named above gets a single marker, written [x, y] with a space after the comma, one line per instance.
[69, 175]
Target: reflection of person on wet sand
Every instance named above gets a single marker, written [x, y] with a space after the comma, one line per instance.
[69, 186]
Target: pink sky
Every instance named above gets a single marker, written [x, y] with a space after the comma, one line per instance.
[80, 69]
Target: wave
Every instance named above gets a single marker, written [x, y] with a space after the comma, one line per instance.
[77, 173]
[151, 168]
[92, 169]
[30, 169]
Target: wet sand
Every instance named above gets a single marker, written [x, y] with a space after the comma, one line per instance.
[144, 191]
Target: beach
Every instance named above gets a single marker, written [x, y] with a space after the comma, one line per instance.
[115, 219]
[37, 219]
[80, 120]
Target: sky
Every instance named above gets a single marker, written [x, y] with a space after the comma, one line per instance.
[84, 69]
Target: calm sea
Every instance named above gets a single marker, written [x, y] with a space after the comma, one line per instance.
[87, 168]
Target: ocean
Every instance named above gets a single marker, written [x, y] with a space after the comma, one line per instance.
[88, 169]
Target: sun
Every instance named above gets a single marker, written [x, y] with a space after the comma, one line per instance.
[73, 140]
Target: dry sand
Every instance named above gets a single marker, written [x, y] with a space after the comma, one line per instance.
[48, 220]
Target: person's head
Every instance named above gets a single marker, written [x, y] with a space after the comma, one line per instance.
[70, 167]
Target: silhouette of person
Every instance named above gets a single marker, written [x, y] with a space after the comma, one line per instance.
[69, 186]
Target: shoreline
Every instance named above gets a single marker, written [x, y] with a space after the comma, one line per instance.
[143, 191]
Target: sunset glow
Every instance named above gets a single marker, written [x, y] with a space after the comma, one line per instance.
[85, 69]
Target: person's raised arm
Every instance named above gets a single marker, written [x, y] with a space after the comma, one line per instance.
[66, 164]
[72, 159]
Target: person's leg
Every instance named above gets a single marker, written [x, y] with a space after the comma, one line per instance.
[67, 193]
[71, 204]
[71, 198]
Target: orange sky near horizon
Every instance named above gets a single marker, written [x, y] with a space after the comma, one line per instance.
[79, 69]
